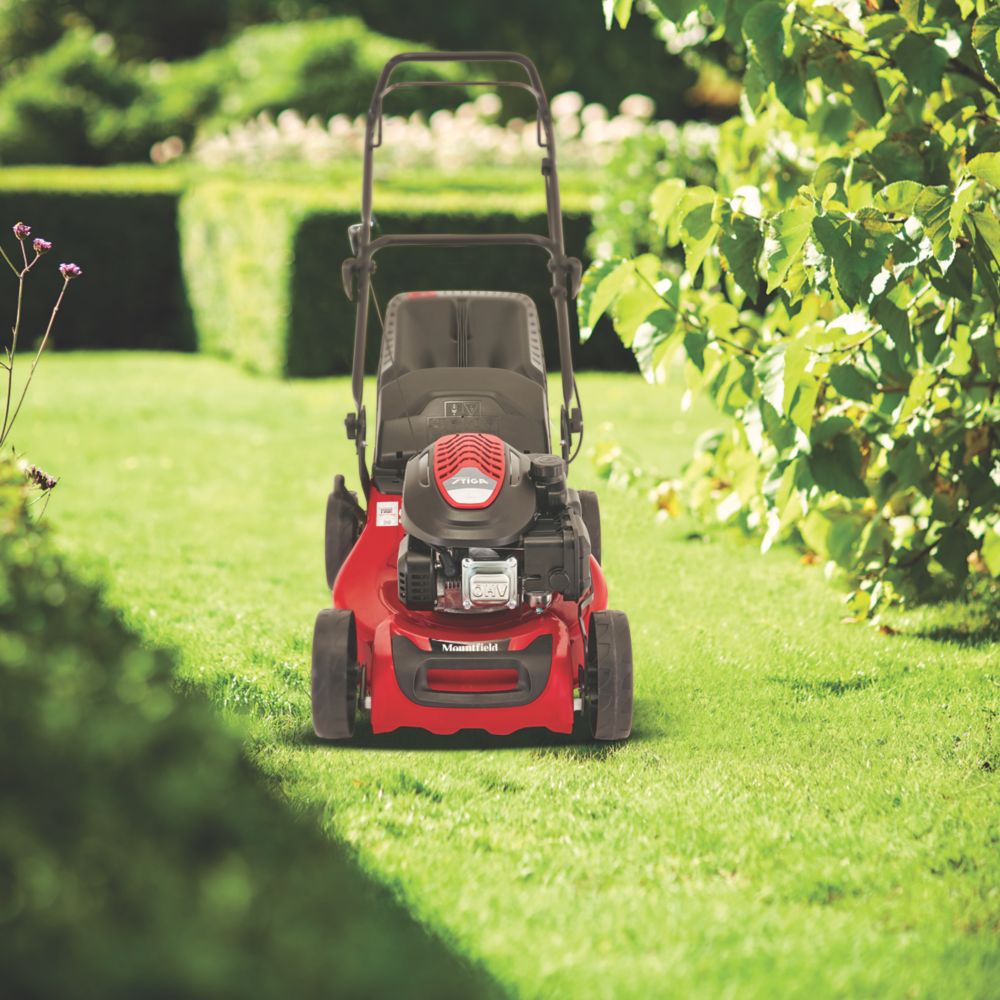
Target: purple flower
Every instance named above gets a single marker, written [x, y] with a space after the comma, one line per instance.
[41, 479]
[41, 246]
[22, 230]
[69, 271]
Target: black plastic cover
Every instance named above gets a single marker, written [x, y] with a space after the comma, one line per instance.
[430, 518]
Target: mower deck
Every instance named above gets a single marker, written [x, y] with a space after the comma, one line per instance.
[445, 672]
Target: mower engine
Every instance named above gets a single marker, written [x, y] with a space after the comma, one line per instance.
[489, 529]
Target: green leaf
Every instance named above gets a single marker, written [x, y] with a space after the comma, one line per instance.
[984, 346]
[921, 61]
[836, 467]
[913, 11]
[899, 197]
[984, 41]
[698, 232]
[953, 548]
[865, 94]
[964, 194]
[828, 428]
[780, 371]
[665, 200]
[852, 383]
[764, 34]
[634, 306]
[740, 246]
[617, 10]
[786, 234]
[986, 166]
[654, 341]
[601, 283]
[933, 208]
[991, 550]
[858, 251]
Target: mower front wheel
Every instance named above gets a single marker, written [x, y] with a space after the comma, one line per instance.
[608, 676]
[335, 675]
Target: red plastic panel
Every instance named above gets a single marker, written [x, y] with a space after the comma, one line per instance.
[469, 469]
[366, 585]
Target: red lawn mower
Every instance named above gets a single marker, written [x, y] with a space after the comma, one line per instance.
[468, 594]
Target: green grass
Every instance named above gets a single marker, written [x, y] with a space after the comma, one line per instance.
[806, 808]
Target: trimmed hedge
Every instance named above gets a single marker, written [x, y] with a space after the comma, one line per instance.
[120, 226]
[140, 853]
[250, 269]
[262, 265]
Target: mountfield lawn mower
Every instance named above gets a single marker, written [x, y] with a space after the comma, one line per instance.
[468, 593]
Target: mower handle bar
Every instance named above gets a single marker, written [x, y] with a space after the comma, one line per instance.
[357, 270]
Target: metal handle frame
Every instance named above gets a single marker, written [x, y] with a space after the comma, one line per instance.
[357, 270]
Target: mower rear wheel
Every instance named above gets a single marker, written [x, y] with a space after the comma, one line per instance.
[591, 513]
[608, 676]
[344, 520]
[335, 675]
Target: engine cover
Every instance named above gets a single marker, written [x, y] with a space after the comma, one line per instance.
[468, 490]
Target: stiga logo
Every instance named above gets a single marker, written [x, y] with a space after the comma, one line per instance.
[470, 481]
[489, 646]
[469, 485]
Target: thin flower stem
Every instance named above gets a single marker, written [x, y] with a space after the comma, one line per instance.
[10, 263]
[5, 426]
[34, 363]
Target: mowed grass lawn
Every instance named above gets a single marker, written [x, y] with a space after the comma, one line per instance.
[806, 808]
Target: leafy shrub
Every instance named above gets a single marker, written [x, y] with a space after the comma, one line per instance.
[139, 853]
[121, 227]
[153, 30]
[262, 265]
[839, 293]
[78, 103]
[606, 70]
[623, 226]
[55, 109]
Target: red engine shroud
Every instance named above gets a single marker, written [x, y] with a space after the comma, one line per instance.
[367, 586]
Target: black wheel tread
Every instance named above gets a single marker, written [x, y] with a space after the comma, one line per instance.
[343, 527]
[609, 675]
[335, 675]
[591, 513]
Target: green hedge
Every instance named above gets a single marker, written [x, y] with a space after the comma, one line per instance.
[120, 226]
[250, 269]
[140, 854]
[262, 265]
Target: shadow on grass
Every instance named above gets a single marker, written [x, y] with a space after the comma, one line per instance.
[968, 634]
[972, 621]
[578, 744]
[824, 688]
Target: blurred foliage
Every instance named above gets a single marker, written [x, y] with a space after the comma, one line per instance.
[171, 30]
[126, 240]
[261, 263]
[623, 225]
[80, 103]
[139, 853]
[605, 70]
[839, 290]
